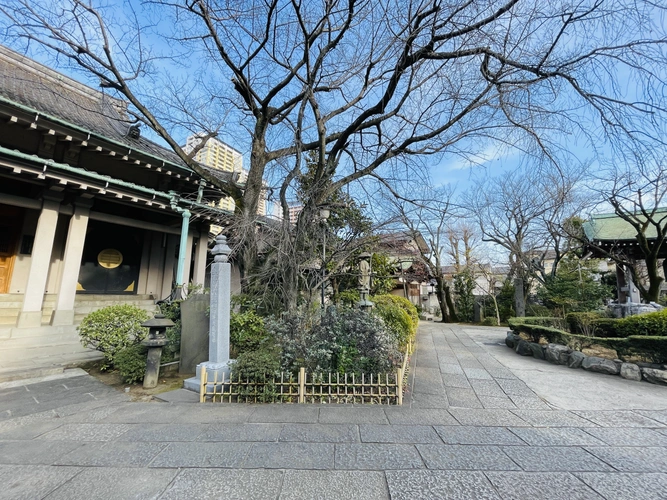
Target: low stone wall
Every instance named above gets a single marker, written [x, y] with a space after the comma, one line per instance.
[563, 355]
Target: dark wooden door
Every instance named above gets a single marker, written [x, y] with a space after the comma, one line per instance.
[11, 220]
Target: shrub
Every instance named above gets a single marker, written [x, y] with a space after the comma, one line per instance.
[489, 321]
[131, 363]
[257, 365]
[397, 321]
[582, 322]
[607, 327]
[346, 340]
[404, 304]
[246, 332]
[172, 311]
[113, 328]
[538, 310]
[651, 324]
[547, 321]
[349, 297]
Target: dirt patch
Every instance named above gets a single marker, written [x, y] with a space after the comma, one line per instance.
[600, 352]
[169, 380]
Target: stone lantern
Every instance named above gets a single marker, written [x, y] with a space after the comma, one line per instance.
[156, 340]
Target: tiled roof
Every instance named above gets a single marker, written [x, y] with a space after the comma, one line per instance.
[28, 83]
[610, 227]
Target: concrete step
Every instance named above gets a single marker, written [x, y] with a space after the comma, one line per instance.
[41, 353]
[42, 331]
[30, 342]
[112, 297]
[104, 303]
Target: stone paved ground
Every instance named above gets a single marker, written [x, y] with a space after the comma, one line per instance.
[482, 423]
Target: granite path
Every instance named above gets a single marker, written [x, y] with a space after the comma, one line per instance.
[479, 422]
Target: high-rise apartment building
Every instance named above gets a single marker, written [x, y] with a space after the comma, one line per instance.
[216, 154]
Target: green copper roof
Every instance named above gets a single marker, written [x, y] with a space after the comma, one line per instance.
[610, 227]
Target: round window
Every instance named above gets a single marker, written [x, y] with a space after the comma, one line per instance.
[110, 258]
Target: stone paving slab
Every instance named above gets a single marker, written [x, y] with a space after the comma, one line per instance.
[632, 459]
[541, 485]
[556, 459]
[500, 418]
[290, 456]
[27, 483]
[214, 413]
[428, 485]
[477, 435]
[114, 454]
[227, 484]
[239, 432]
[398, 434]
[115, 484]
[555, 436]
[162, 432]
[369, 456]
[320, 433]
[35, 452]
[463, 398]
[200, 454]
[353, 415]
[30, 430]
[334, 485]
[490, 402]
[552, 418]
[284, 414]
[618, 419]
[86, 432]
[465, 457]
[626, 486]
[628, 436]
[420, 416]
[658, 415]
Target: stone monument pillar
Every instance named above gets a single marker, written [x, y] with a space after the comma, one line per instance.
[364, 282]
[218, 336]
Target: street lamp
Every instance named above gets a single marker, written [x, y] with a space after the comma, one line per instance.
[324, 215]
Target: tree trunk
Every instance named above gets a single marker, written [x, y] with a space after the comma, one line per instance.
[654, 279]
[450, 304]
[519, 298]
[442, 300]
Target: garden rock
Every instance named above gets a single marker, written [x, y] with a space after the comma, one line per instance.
[631, 371]
[538, 350]
[655, 376]
[509, 340]
[523, 348]
[600, 365]
[557, 353]
[575, 358]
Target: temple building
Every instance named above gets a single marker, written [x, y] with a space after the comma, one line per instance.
[91, 212]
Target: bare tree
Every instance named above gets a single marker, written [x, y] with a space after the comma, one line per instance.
[637, 196]
[429, 216]
[520, 211]
[362, 83]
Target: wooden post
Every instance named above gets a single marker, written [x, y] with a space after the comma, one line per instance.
[302, 385]
[399, 386]
[202, 385]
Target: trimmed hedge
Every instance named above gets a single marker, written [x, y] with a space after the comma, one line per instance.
[547, 321]
[650, 324]
[649, 348]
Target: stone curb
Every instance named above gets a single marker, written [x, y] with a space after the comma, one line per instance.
[563, 355]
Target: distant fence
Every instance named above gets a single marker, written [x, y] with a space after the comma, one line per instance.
[385, 389]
